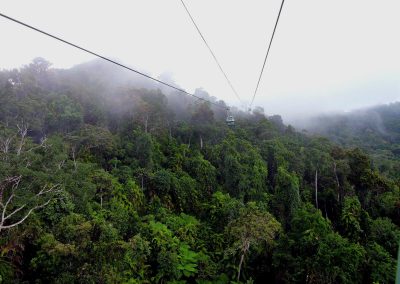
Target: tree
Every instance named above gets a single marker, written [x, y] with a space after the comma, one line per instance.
[144, 150]
[20, 198]
[222, 209]
[202, 118]
[106, 186]
[13, 211]
[151, 111]
[351, 218]
[386, 234]
[64, 115]
[312, 253]
[241, 168]
[251, 228]
[175, 258]
[381, 266]
[286, 198]
[203, 171]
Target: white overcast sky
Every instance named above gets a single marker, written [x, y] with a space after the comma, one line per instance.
[327, 55]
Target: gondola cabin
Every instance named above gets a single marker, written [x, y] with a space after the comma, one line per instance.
[230, 121]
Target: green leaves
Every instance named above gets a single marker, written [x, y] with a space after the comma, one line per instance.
[313, 250]
[160, 232]
[252, 228]
[287, 197]
[351, 217]
[241, 168]
[174, 256]
[187, 261]
[64, 115]
[386, 234]
[381, 265]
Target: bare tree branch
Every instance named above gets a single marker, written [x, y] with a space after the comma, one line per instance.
[44, 191]
[5, 144]
[42, 144]
[23, 132]
[14, 180]
[15, 211]
[74, 157]
[60, 165]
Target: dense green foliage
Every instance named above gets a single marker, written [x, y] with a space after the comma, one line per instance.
[376, 130]
[140, 186]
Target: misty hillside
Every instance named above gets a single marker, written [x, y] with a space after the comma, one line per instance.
[380, 122]
[109, 178]
[376, 130]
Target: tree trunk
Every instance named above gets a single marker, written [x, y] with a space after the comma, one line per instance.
[190, 138]
[145, 123]
[316, 188]
[246, 247]
[337, 181]
[74, 158]
[23, 131]
[201, 142]
[240, 267]
[6, 145]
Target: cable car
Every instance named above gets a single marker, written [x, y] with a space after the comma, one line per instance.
[230, 121]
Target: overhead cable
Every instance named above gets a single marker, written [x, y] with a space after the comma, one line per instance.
[266, 56]
[108, 59]
[212, 53]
